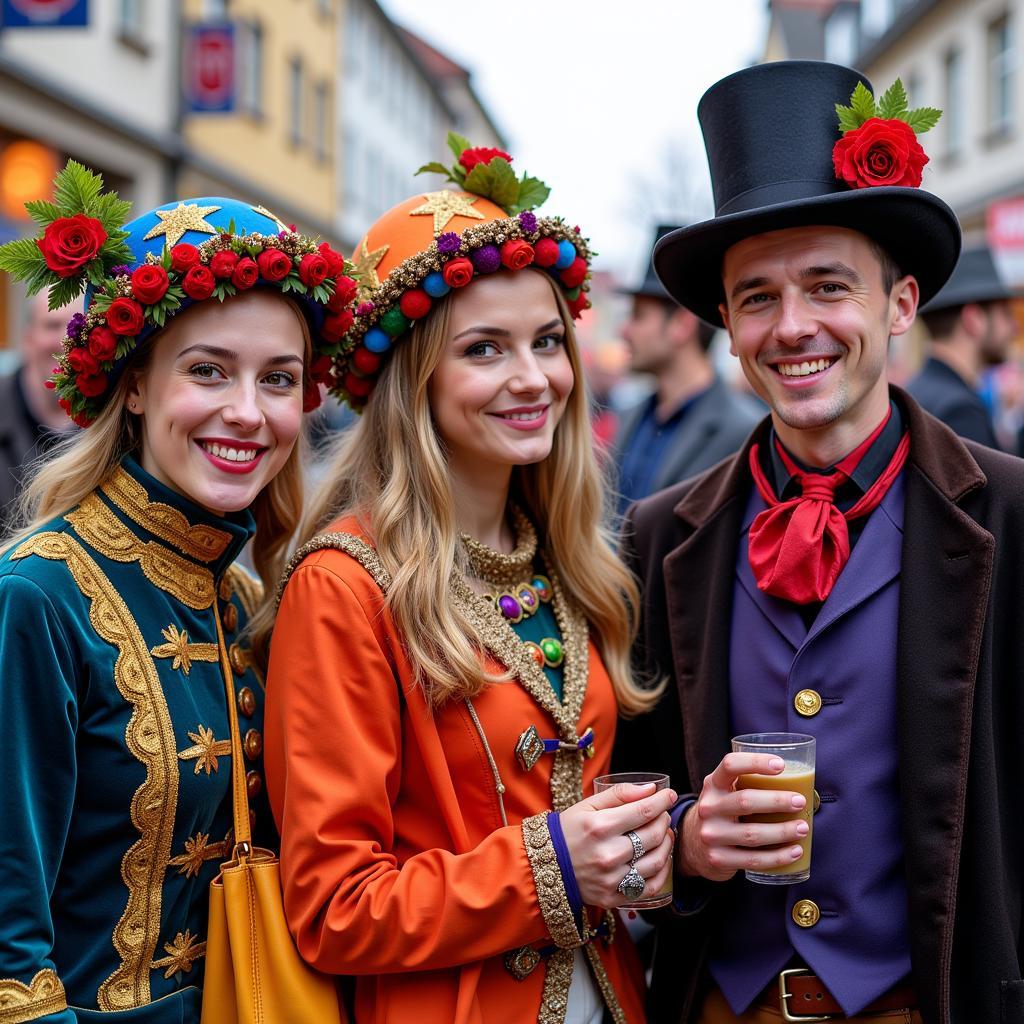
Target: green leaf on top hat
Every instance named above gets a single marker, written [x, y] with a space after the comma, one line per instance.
[75, 190]
[894, 103]
[496, 181]
[863, 103]
[923, 118]
[42, 212]
[532, 193]
[435, 168]
[64, 291]
[23, 259]
[458, 144]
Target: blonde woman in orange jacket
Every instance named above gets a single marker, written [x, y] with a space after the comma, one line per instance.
[451, 650]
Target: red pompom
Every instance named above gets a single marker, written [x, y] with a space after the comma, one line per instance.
[574, 274]
[580, 303]
[358, 386]
[415, 303]
[546, 250]
[365, 361]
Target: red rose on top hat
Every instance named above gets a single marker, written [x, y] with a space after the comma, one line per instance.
[879, 144]
[469, 158]
[69, 243]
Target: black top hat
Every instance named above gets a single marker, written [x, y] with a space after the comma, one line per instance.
[974, 279]
[650, 285]
[769, 132]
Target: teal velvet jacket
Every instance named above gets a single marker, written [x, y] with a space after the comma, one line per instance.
[115, 761]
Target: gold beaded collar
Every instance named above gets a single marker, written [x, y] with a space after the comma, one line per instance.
[498, 568]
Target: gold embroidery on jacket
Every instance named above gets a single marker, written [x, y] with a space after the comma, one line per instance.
[182, 651]
[101, 529]
[547, 878]
[248, 588]
[183, 952]
[206, 750]
[201, 542]
[554, 999]
[604, 983]
[198, 850]
[150, 738]
[43, 995]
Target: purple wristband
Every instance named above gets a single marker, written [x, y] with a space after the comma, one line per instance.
[572, 890]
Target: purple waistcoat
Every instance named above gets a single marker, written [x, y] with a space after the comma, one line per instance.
[860, 945]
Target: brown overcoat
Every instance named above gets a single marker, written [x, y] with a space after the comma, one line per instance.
[960, 706]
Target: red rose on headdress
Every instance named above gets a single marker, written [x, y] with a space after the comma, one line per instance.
[313, 269]
[458, 272]
[335, 326]
[516, 254]
[223, 263]
[245, 274]
[124, 316]
[82, 361]
[879, 152]
[335, 261]
[481, 155]
[69, 243]
[91, 384]
[199, 282]
[183, 256]
[274, 265]
[102, 343]
[344, 292]
[149, 283]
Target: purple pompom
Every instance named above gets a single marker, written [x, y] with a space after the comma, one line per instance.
[528, 222]
[75, 325]
[448, 243]
[486, 259]
[364, 309]
[121, 269]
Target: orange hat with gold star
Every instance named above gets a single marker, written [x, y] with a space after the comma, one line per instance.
[421, 249]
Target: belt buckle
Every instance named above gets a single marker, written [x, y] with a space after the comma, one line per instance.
[784, 997]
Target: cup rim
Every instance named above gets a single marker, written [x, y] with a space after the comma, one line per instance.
[774, 739]
[632, 778]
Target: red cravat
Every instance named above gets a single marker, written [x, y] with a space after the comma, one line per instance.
[799, 547]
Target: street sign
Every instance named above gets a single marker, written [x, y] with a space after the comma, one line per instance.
[44, 13]
[209, 73]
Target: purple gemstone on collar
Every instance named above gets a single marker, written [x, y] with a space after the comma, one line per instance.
[509, 606]
[527, 598]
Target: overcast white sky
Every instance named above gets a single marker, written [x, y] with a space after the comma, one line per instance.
[599, 99]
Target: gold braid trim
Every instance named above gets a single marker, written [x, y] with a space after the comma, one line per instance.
[101, 529]
[248, 588]
[604, 983]
[547, 877]
[20, 1002]
[554, 1000]
[204, 543]
[355, 548]
[150, 738]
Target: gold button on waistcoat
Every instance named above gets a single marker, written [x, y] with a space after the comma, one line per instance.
[806, 913]
[246, 702]
[229, 617]
[807, 703]
[817, 801]
[238, 659]
[253, 744]
[253, 783]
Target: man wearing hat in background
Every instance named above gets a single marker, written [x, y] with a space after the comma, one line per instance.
[854, 573]
[693, 419]
[972, 327]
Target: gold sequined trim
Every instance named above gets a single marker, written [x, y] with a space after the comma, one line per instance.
[206, 750]
[101, 529]
[497, 567]
[182, 651]
[201, 542]
[248, 588]
[182, 954]
[554, 1000]
[43, 995]
[355, 548]
[150, 738]
[604, 983]
[547, 877]
[198, 850]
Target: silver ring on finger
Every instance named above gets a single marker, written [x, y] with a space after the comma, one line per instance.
[632, 885]
[638, 847]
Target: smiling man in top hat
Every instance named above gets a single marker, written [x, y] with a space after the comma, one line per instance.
[856, 572]
[972, 327]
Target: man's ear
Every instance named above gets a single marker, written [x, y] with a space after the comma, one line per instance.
[681, 326]
[903, 301]
[974, 319]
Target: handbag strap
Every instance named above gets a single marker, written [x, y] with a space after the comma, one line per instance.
[239, 797]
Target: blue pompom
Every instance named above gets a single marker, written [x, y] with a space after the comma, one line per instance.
[566, 254]
[376, 340]
[434, 286]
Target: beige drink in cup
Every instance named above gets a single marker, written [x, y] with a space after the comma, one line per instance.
[797, 750]
[649, 900]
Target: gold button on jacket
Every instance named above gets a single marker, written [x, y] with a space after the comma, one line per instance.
[807, 703]
[246, 701]
[253, 744]
[806, 913]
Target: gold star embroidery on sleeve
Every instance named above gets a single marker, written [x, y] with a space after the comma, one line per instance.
[183, 652]
[444, 205]
[206, 750]
[198, 850]
[183, 218]
[182, 953]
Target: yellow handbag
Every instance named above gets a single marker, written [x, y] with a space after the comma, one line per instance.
[254, 974]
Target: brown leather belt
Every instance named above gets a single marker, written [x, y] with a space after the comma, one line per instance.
[801, 996]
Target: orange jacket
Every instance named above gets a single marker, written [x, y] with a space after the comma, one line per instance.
[395, 863]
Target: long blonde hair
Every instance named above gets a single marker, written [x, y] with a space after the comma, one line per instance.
[81, 462]
[391, 472]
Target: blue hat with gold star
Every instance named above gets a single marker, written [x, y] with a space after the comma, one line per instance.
[138, 275]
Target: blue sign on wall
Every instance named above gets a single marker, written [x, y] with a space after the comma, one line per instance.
[209, 73]
[44, 13]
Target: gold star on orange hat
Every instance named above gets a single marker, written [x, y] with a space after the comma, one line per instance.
[366, 263]
[444, 205]
[184, 217]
